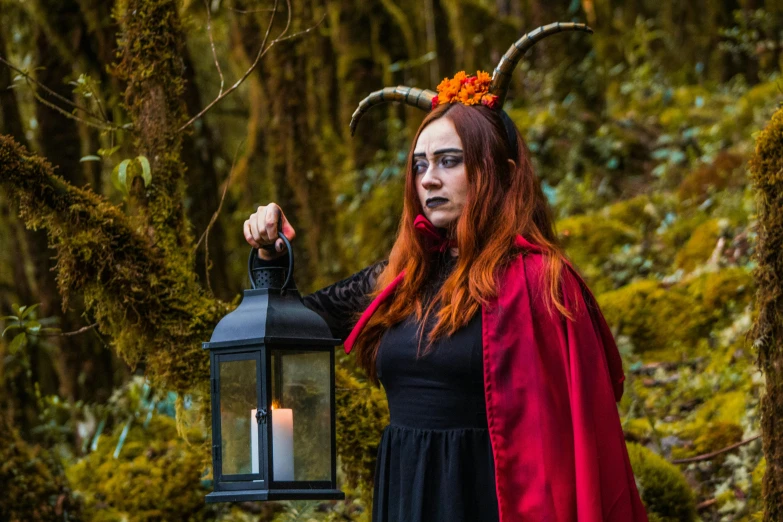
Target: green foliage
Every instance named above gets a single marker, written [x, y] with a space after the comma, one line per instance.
[362, 413]
[34, 488]
[664, 490]
[700, 245]
[157, 476]
[662, 319]
[120, 273]
[714, 436]
[126, 170]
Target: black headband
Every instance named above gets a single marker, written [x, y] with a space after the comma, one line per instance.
[511, 133]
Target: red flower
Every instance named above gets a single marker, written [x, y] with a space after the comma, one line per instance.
[434, 101]
[490, 100]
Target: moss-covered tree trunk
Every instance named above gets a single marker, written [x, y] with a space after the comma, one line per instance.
[767, 176]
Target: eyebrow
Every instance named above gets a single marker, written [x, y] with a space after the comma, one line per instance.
[437, 152]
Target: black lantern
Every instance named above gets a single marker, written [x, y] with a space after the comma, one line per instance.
[272, 376]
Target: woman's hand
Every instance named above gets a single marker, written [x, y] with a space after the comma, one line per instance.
[261, 230]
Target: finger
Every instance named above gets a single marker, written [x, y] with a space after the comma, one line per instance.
[254, 229]
[287, 228]
[249, 234]
[271, 220]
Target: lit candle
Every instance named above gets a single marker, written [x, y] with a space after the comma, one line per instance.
[254, 440]
[283, 443]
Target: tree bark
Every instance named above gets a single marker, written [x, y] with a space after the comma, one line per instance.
[766, 166]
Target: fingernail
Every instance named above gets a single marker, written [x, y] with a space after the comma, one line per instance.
[279, 247]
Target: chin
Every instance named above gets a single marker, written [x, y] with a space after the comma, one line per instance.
[440, 219]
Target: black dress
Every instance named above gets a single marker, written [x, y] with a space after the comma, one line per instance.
[434, 458]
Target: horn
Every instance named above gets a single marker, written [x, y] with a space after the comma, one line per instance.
[501, 77]
[421, 98]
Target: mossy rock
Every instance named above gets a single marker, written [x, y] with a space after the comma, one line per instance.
[731, 287]
[662, 486]
[157, 475]
[723, 172]
[713, 436]
[723, 407]
[756, 499]
[700, 245]
[589, 240]
[33, 486]
[362, 414]
[652, 316]
[658, 319]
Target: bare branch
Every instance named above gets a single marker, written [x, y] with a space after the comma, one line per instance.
[75, 332]
[261, 52]
[712, 455]
[205, 235]
[212, 43]
[223, 197]
[100, 122]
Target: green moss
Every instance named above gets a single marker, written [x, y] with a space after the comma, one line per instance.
[589, 236]
[723, 407]
[662, 486]
[700, 245]
[33, 486]
[589, 240]
[157, 475]
[362, 413]
[653, 317]
[725, 171]
[767, 176]
[756, 498]
[657, 318]
[147, 301]
[712, 437]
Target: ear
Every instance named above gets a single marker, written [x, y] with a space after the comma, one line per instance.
[512, 165]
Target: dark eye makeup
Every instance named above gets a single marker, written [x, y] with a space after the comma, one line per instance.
[445, 161]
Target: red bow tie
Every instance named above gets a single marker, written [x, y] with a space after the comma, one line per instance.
[434, 237]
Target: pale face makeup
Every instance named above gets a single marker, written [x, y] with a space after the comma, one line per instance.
[439, 172]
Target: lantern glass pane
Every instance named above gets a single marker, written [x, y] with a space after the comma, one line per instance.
[238, 426]
[301, 415]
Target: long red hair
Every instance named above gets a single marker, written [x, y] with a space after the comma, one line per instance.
[501, 203]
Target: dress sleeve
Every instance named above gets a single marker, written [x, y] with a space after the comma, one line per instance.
[339, 302]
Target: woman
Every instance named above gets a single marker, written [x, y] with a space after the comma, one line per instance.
[500, 372]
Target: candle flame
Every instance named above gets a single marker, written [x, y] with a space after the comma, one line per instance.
[275, 405]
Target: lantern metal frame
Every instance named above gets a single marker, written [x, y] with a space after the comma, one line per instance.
[260, 325]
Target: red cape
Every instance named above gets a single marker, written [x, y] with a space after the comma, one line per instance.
[550, 386]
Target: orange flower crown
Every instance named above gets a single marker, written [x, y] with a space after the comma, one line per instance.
[467, 90]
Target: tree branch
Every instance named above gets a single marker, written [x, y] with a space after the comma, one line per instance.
[714, 454]
[261, 52]
[212, 44]
[100, 123]
[105, 255]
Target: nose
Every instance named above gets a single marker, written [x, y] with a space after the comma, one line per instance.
[430, 179]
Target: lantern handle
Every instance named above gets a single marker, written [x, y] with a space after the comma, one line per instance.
[254, 254]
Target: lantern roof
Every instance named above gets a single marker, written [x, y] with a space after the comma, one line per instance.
[271, 315]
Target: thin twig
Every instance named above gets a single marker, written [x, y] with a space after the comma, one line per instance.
[709, 456]
[261, 53]
[68, 114]
[212, 43]
[220, 205]
[205, 235]
[104, 124]
[98, 102]
[75, 332]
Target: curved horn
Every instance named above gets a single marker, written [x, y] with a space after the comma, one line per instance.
[502, 75]
[421, 98]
